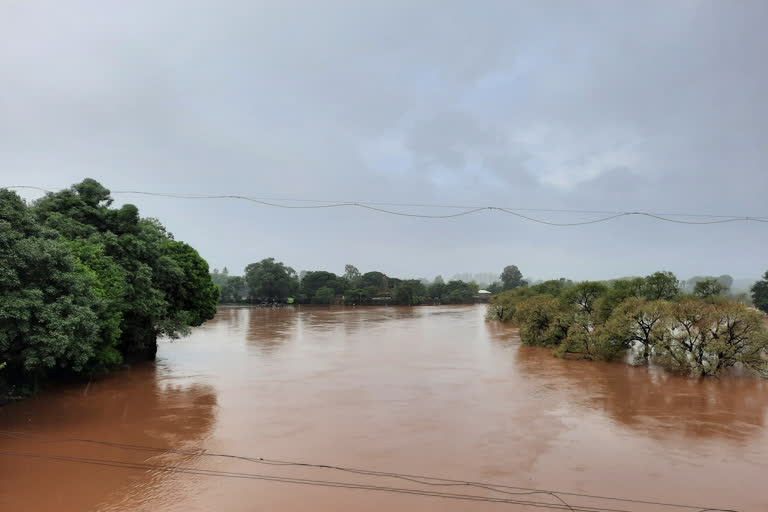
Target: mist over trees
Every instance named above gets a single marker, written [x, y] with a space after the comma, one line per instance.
[85, 287]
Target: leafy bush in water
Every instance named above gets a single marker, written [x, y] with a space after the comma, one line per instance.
[699, 336]
[542, 321]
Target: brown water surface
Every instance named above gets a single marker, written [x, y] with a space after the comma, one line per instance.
[428, 391]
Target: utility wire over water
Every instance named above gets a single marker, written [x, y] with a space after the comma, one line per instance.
[506, 490]
[466, 210]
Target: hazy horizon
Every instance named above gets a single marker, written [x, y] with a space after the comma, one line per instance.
[655, 107]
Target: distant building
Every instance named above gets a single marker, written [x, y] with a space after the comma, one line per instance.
[482, 295]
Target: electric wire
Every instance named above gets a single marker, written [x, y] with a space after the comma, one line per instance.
[373, 206]
[419, 479]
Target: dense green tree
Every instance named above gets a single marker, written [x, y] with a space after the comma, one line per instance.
[355, 296]
[324, 295]
[48, 306]
[724, 280]
[377, 279]
[704, 339]
[584, 295]
[594, 343]
[619, 291]
[234, 290]
[270, 280]
[501, 306]
[220, 278]
[457, 292]
[109, 284]
[437, 288]
[640, 323]
[542, 321]
[708, 288]
[353, 275]
[554, 287]
[194, 295]
[167, 286]
[760, 294]
[511, 277]
[495, 287]
[661, 286]
[314, 280]
[409, 292]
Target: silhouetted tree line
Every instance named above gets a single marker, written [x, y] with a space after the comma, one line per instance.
[269, 281]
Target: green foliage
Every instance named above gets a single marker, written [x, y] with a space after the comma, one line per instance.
[352, 275]
[661, 286]
[724, 280]
[84, 286]
[511, 278]
[708, 288]
[220, 278]
[270, 280]
[704, 339]
[375, 279]
[457, 292]
[437, 288]
[234, 290]
[409, 292]
[640, 323]
[542, 321]
[109, 285]
[314, 280]
[593, 343]
[760, 294]
[192, 295]
[694, 335]
[47, 304]
[355, 296]
[617, 293]
[324, 295]
[501, 306]
[495, 287]
[584, 295]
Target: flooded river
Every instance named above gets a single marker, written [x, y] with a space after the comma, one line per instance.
[432, 391]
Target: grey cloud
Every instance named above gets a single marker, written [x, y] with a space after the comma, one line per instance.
[598, 105]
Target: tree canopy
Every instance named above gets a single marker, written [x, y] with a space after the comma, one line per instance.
[760, 294]
[701, 334]
[270, 280]
[84, 286]
[512, 278]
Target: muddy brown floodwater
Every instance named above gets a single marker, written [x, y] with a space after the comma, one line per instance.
[430, 391]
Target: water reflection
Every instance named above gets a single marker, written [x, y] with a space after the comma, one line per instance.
[270, 328]
[649, 400]
[142, 406]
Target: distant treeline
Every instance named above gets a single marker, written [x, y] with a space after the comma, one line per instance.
[648, 318]
[270, 281]
[85, 287]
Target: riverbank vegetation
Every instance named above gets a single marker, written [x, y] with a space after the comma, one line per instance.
[269, 281]
[85, 287]
[647, 319]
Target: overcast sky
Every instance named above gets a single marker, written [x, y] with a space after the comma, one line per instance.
[652, 106]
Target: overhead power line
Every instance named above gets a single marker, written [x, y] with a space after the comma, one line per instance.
[418, 479]
[467, 210]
